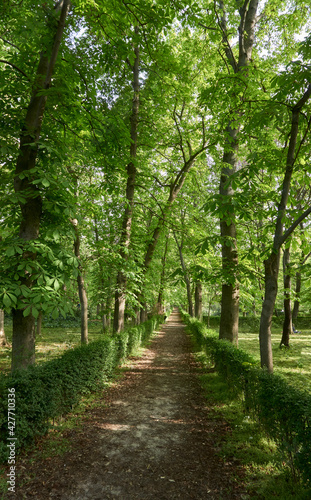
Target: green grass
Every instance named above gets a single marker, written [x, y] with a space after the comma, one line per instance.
[293, 363]
[248, 446]
[51, 343]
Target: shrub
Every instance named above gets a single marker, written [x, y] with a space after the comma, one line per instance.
[283, 411]
[50, 390]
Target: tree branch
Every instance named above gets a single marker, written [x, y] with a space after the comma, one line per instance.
[15, 67]
[289, 231]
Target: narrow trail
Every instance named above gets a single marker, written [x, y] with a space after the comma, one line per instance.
[154, 439]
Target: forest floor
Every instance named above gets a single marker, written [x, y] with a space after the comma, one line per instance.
[151, 435]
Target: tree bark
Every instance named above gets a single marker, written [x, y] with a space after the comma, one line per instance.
[198, 301]
[186, 274]
[297, 296]
[159, 305]
[287, 324]
[271, 288]
[81, 287]
[229, 319]
[39, 324]
[3, 340]
[273, 261]
[120, 293]
[303, 260]
[229, 316]
[23, 342]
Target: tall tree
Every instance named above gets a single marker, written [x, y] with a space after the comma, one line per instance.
[272, 262]
[23, 348]
[81, 286]
[185, 272]
[229, 319]
[3, 340]
[120, 294]
[287, 323]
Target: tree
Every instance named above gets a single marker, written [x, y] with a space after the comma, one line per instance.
[287, 323]
[3, 340]
[81, 286]
[120, 294]
[185, 272]
[230, 289]
[23, 343]
[272, 262]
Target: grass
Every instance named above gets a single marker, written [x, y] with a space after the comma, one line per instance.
[293, 363]
[52, 342]
[247, 445]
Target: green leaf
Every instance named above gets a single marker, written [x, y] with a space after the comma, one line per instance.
[27, 311]
[6, 300]
[35, 312]
[10, 252]
[12, 297]
[55, 313]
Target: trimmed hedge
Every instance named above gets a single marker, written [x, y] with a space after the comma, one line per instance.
[50, 390]
[283, 411]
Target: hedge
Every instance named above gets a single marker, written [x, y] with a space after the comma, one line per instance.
[48, 391]
[283, 411]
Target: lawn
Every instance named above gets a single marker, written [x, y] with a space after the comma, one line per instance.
[52, 342]
[293, 363]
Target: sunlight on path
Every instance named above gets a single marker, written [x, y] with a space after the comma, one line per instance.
[154, 441]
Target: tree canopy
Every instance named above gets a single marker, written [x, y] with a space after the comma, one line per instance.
[153, 153]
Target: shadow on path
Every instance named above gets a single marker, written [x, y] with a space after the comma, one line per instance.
[155, 440]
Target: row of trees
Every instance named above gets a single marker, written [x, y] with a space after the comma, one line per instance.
[135, 134]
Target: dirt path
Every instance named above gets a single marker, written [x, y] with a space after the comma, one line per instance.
[155, 440]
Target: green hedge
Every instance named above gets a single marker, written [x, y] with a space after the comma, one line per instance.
[50, 390]
[283, 411]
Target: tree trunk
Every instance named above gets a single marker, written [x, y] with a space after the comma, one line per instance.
[298, 284]
[209, 313]
[271, 289]
[297, 296]
[287, 324]
[39, 324]
[23, 346]
[143, 313]
[81, 287]
[229, 319]
[198, 300]
[159, 305]
[186, 275]
[229, 316]
[83, 308]
[272, 263]
[120, 293]
[23, 342]
[3, 340]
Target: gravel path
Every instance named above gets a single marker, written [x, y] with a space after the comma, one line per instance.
[152, 437]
